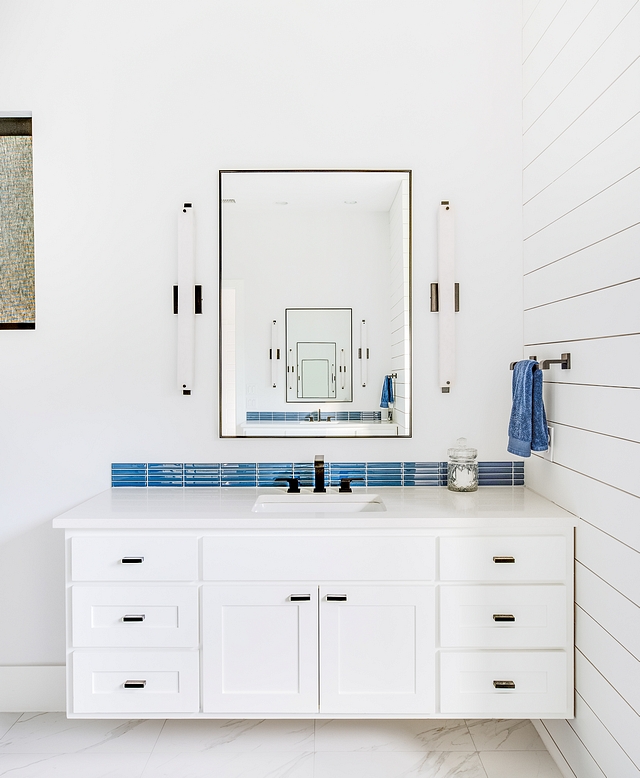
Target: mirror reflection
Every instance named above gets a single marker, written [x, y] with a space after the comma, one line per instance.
[315, 314]
[318, 352]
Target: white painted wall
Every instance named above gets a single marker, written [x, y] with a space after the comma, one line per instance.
[136, 106]
[582, 229]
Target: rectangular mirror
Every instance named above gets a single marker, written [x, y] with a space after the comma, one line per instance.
[315, 303]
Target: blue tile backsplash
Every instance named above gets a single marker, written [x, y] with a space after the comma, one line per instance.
[265, 473]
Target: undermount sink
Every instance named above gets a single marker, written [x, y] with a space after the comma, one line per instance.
[310, 502]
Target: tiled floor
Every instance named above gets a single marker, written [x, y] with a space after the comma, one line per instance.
[35, 745]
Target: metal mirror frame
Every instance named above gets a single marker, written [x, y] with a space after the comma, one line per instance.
[221, 173]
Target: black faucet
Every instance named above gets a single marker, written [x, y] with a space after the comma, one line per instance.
[318, 470]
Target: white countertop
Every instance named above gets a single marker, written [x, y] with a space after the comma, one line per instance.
[230, 508]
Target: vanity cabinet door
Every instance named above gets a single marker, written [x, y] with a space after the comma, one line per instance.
[377, 649]
[260, 648]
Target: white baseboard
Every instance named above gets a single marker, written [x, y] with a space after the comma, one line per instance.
[39, 688]
[552, 748]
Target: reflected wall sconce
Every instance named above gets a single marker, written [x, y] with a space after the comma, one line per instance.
[274, 353]
[445, 297]
[187, 299]
[363, 353]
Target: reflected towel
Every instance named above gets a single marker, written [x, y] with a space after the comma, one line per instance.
[387, 392]
[528, 422]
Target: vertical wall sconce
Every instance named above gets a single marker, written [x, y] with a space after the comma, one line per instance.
[184, 302]
[343, 369]
[363, 353]
[444, 296]
[274, 353]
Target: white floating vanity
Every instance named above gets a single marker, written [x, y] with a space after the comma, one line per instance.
[188, 603]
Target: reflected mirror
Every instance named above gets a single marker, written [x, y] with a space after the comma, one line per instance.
[315, 303]
[318, 354]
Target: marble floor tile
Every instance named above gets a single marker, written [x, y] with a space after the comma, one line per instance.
[233, 735]
[393, 735]
[54, 733]
[504, 735]
[519, 764]
[398, 764]
[217, 764]
[7, 720]
[72, 765]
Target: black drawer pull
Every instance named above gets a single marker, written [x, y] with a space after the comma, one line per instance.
[504, 685]
[132, 560]
[134, 684]
[504, 560]
[299, 597]
[135, 617]
[503, 617]
[336, 597]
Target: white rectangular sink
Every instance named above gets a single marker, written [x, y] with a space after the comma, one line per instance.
[310, 502]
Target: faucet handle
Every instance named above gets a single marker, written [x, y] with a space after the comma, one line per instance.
[294, 485]
[345, 484]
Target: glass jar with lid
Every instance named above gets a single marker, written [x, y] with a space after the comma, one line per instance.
[462, 469]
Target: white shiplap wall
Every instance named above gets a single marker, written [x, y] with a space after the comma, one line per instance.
[399, 291]
[581, 215]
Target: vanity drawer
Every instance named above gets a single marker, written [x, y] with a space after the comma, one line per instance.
[516, 558]
[468, 683]
[503, 616]
[134, 558]
[161, 682]
[135, 616]
[319, 558]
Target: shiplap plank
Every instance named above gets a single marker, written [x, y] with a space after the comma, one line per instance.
[610, 460]
[609, 212]
[605, 361]
[585, 26]
[619, 718]
[610, 411]
[528, 7]
[615, 613]
[537, 24]
[611, 510]
[608, 63]
[573, 749]
[611, 161]
[603, 118]
[613, 311]
[552, 747]
[609, 559]
[557, 37]
[610, 261]
[617, 665]
[606, 751]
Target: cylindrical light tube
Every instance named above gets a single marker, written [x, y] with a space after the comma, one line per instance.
[186, 309]
[446, 296]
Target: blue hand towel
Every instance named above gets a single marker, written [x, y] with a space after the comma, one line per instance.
[528, 423]
[387, 392]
